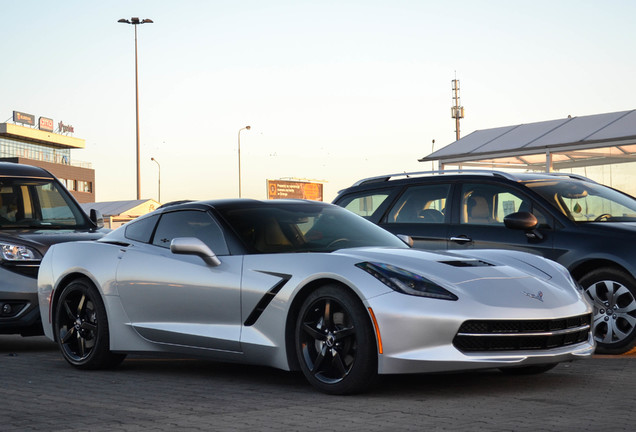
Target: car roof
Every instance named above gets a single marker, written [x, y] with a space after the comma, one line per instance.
[407, 177]
[11, 169]
[236, 203]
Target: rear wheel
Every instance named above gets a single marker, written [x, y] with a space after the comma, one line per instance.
[612, 293]
[81, 327]
[335, 343]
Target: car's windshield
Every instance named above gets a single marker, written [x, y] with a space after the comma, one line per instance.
[585, 201]
[36, 203]
[304, 227]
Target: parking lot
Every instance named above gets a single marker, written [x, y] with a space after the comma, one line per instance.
[41, 392]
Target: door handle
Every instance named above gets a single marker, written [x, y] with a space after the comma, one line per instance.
[461, 239]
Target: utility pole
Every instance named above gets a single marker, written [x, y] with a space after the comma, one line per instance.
[457, 111]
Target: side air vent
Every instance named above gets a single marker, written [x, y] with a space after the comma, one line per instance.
[467, 263]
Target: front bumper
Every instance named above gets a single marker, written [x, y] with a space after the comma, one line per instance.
[19, 311]
[418, 333]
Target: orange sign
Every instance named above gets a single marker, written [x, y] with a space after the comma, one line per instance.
[285, 189]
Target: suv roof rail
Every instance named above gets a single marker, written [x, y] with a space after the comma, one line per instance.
[388, 177]
[574, 176]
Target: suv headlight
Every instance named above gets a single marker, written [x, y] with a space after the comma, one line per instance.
[405, 281]
[15, 252]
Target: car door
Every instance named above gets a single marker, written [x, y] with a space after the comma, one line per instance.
[421, 212]
[478, 222]
[179, 299]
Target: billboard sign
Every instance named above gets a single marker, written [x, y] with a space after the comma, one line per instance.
[24, 118]
[46, 124]
[286, 189]
[62, 128]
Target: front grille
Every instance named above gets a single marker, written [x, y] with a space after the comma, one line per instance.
[509, 335]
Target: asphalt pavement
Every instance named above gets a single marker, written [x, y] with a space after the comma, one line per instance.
[41, 392]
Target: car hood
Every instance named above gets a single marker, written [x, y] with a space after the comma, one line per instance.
[492, 277]
[41, 240]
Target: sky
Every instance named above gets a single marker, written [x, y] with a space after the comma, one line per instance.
[334, 90]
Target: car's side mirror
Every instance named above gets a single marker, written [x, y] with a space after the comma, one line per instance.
[406, 239]
[97, 218]
[194, 246]
[524, 221]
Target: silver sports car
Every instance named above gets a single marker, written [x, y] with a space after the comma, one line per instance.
[309, 286]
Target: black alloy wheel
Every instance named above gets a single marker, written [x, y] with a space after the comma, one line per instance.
[81, 327]
[335, 342]
[612, 293]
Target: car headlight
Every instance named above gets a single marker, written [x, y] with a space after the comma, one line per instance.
[405, 281]
[16, 252]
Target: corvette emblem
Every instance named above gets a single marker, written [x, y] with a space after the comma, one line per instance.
[537, 296]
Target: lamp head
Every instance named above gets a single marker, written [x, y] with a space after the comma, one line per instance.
[135, 21]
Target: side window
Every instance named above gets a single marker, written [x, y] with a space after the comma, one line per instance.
[9, 204]
[365, 205]
[420, 204]
[190, 223]
[141, 229]
[507, 203]
[486, 204]
[53, 206]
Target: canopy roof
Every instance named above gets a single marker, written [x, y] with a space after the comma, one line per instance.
[554, 144]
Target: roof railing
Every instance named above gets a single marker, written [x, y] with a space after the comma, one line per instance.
[388, 177]
[572, 175]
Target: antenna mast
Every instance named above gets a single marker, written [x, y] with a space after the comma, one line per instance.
[457, 111]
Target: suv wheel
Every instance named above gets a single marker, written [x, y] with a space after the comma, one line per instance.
[613, 296]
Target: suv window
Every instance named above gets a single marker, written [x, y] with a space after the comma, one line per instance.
[365, 205]
[489, 204]
[586, 202]
[190, 223]
[27, 203]
[420, 204]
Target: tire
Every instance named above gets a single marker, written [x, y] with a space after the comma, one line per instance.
[612, 293]
[335, 342]
[528, 370]
[81, 327]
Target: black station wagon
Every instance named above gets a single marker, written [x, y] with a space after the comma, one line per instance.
[585, 226]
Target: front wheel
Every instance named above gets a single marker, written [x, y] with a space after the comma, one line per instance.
[81, 327]
[612, 293]
[335, 342]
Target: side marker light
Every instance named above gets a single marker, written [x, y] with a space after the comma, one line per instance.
[377, 330]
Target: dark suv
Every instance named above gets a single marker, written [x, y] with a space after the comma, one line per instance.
[587, 227]
[36, 211]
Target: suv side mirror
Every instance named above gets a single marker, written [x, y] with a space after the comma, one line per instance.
[97, 218]
[525, 221]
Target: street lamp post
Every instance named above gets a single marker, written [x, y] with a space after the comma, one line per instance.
[135, 22]
[159, 182]
[239, 156]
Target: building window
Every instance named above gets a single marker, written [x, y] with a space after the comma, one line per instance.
[84, 186]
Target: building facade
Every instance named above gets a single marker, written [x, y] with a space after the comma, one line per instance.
[26, 142]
